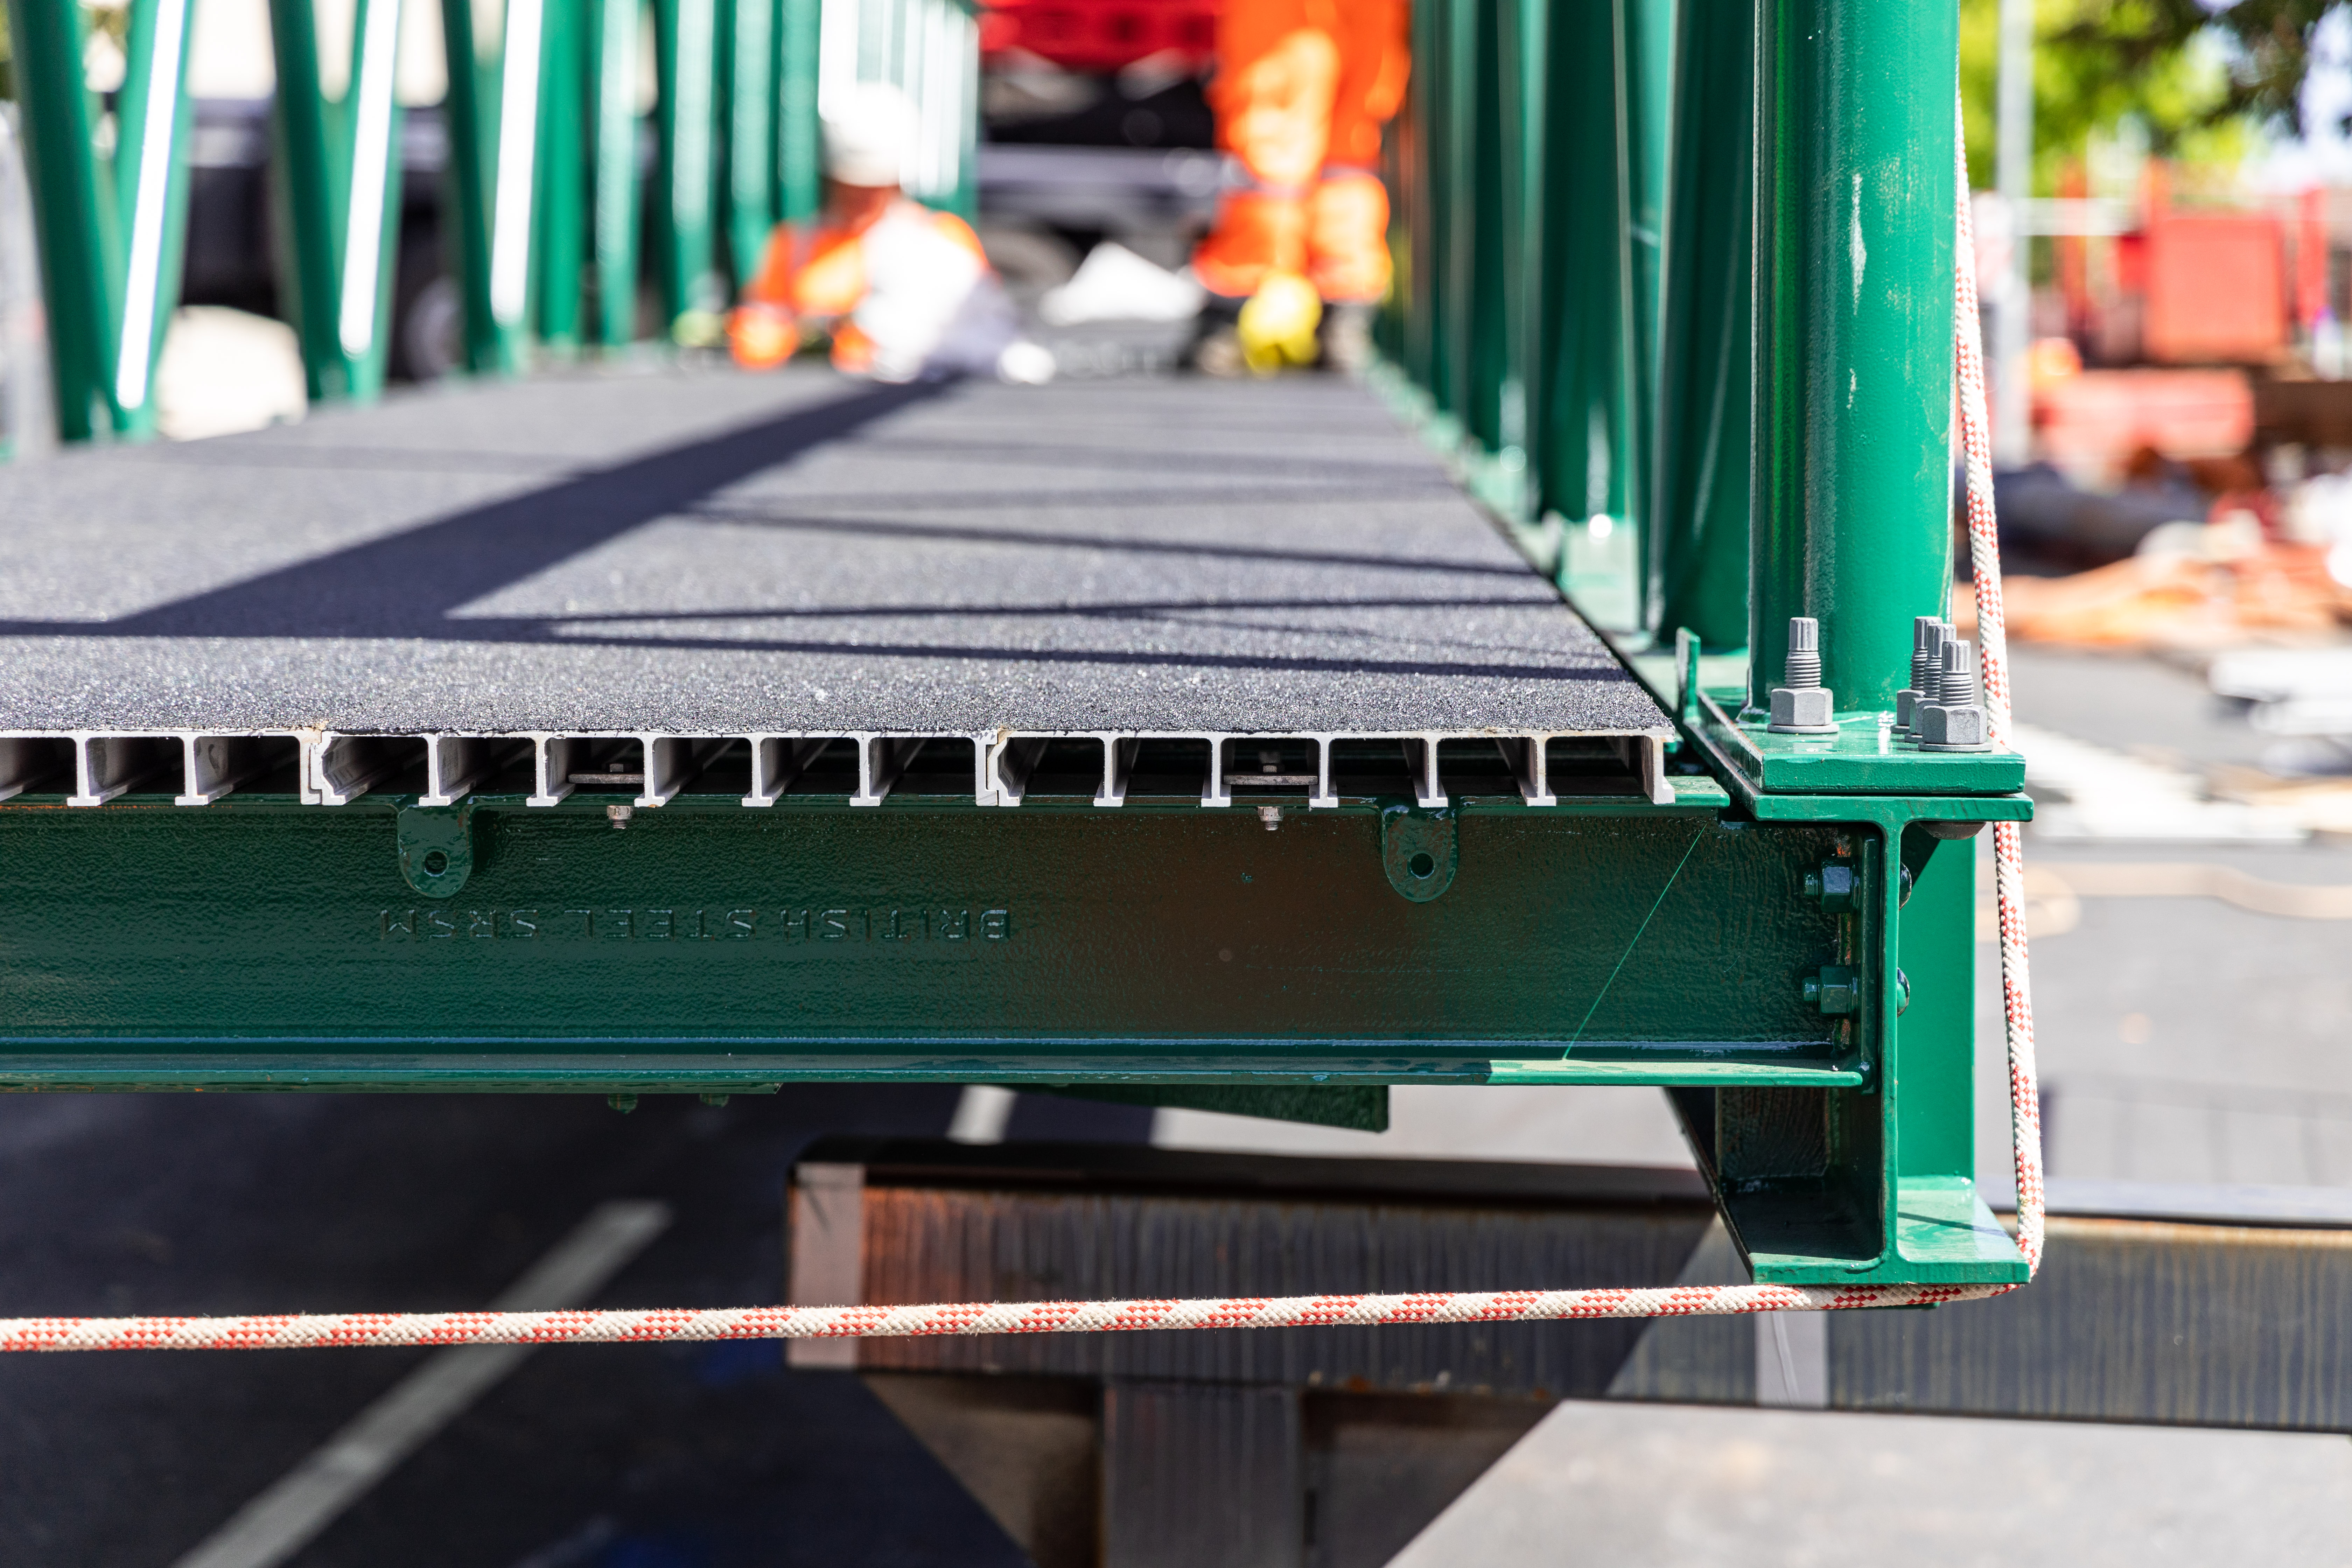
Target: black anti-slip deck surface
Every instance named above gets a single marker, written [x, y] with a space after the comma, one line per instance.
[719, 553]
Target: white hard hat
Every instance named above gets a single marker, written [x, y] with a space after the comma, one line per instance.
[867, 135]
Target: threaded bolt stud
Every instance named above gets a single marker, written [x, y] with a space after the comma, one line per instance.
[1804, 666]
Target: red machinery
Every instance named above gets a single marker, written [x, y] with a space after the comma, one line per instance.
[1102, 35]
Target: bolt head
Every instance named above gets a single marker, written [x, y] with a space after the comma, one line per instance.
[1801, 711]
[1965, 729]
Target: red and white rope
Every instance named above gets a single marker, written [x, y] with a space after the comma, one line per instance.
[640, 1327]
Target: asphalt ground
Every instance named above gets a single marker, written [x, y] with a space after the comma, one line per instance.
[617, 1456]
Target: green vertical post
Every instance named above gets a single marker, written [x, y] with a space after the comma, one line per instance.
[338, 184]
[618, 26]
[1854, 336]
[750, 136]
[1698, 538]
[1487, 318]
[684, 41]
[81, 257]
[1527, 282]
[493, 117]
[1457, 168]
[1643, 48]
[1584, 415]
[800, 183]
[471, 114]
[1425, 92]
[151, 187]
[562, 184]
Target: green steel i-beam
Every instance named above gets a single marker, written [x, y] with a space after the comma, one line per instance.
[1854, 337]
[617, 30]
[1698, 538]
[340, 190]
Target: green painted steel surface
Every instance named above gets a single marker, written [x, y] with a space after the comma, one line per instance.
[471, 114]
[1644, 39]
[1666, 936]
[339, 189]
[686, 187]
[1854, 337]
[800, 186]
[614, 45]
[1697, 557]
[750, 38]
[560, 242]
[110, 228]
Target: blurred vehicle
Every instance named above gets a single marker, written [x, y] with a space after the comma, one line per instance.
[235, 255]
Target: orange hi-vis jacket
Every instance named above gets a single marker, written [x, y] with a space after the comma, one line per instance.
[825, 273]
[1302, 90]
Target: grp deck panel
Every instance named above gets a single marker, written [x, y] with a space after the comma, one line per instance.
[714, 553]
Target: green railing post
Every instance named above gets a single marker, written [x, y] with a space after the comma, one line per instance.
[1585, 417]
[1524, 34]
[109, 231]
[800, 185]
[338, 187]
[751, 133]
[1698, 538]
[614, 46]
[685, 44]
[1854, 336]
[45, 40]
[493, 118]
[1485, 409]
[151, 187]
[562, 194]
[1643, 47]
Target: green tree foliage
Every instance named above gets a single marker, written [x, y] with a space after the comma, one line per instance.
[2206, 80]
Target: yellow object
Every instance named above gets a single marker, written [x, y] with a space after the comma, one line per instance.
[1277, 326]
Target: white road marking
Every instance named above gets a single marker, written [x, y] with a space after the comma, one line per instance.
[981, 1114]
[309, 1498]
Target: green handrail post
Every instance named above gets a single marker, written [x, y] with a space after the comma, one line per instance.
[1854, 337]
[1523, 39]
[110, 230]
[1583, 432]
[750, 147]
[493, 118]
[685, 46]
[561, 218]
[799, 167]
[1458, 233]
[1488, 323]
[338, 184]
[152, 114]
[46, 39]
[614, 46]
[1643, 46]
[1698, 542]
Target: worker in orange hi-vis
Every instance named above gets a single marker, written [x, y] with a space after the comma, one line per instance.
[905, 292]
[1302, 91]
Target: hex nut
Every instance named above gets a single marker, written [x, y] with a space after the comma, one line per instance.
[1801, 711]
[1967, 729]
